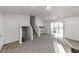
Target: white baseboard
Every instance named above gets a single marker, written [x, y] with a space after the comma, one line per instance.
[2, 44]
[10, 41]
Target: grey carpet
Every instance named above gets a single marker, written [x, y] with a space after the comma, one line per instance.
[44, 44]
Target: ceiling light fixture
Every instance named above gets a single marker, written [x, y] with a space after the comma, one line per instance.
[47, 7]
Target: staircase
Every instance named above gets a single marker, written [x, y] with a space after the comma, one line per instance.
[34, 34]
[36, 30]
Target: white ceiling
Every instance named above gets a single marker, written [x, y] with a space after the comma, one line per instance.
[42, 12]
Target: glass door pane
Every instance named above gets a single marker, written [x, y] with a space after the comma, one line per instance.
[57, 29]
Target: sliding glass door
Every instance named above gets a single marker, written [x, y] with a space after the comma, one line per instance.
[57, 29]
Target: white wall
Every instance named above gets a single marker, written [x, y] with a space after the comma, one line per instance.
[1, 29]
[47, 28]
[1, 24]
[39, 22]
[72, 28]
[12, 26]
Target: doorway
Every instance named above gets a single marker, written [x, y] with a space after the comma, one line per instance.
[25, 33]
[57, 29]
